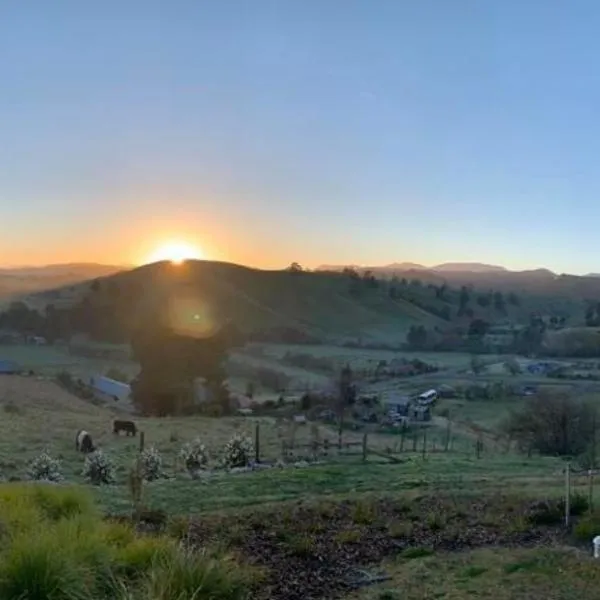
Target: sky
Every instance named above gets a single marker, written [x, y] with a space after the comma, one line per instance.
[316, 131]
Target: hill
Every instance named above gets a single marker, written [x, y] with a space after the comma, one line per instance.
[21, 281]
[307, 306]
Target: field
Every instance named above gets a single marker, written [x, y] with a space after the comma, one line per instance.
[453, 524]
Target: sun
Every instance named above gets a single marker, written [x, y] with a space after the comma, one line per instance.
[176, 252]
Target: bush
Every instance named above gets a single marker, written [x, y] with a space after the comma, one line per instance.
[194, 456]
[65, 379]
[151, 464]
[99, 468]
[45, 468]
[239, 451]
[587, 528]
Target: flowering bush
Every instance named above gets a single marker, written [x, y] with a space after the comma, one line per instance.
[151, 464]
[194, 455]
[238, 451]
[45, 468]
[98, 468]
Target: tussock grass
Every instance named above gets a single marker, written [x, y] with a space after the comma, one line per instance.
[61, 549]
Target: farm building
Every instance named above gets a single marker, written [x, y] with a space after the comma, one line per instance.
[110, 388]
[398, 404]
[8, 367]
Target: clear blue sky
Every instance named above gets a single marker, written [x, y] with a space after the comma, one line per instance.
[312, 130]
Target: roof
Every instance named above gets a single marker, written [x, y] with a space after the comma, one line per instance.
[7, 366]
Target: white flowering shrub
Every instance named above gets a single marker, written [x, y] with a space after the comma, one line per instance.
[194, 456]
[98, 468]
[239, 451]
[151, 464]
[45, 468]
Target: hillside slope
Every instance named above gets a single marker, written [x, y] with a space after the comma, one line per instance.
[204, 292]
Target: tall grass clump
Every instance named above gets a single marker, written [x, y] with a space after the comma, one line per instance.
[56, 546]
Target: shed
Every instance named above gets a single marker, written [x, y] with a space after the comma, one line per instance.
[8, 367]
[111, 388]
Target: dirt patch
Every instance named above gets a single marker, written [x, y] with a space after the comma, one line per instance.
[314, 551]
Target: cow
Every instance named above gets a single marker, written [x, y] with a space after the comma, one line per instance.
[127, 426]
[83, 442]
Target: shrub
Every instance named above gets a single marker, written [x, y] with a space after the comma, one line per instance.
[151, 464]
[194, 455]
[238, 451]
[99, 468]
[587, 528]
[65, 379]
[45, 468]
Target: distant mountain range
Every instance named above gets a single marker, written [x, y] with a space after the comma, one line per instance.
[19, 281]
[458, 267]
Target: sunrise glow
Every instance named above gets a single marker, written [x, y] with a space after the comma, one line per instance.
[176, 252]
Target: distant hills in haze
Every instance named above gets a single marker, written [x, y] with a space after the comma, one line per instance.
[19, 281]
[456, 267]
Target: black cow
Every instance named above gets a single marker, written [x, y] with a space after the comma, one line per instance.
[83, 442]
[127, 426]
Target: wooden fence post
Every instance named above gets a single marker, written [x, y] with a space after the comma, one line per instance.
[568, 495]
[257, 442]
[142, 441]
[447, 436]
[364, 448]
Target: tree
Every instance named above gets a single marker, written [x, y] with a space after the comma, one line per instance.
[512, 366]
[171, 363]
[499, 303]
[554, 424]
[513, 299]
[483, 300]
[478, 328]
[295, 268]
[477, 365]
[463, 301]
[416, 337]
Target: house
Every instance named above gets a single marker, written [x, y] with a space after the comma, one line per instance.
[8, 367]
[110, 388]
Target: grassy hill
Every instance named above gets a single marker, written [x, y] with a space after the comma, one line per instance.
[328, 305]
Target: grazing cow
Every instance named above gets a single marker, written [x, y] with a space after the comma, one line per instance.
[127, 426]
[83, 442]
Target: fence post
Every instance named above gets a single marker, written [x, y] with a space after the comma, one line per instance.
[568, 495]
[142, 441]
[447, 436]
[591, 489]
[257, 442]
[364, 448]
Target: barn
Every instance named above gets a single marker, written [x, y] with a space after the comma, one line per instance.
[8, 367]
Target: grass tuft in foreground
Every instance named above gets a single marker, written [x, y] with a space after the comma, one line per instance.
[60, 548]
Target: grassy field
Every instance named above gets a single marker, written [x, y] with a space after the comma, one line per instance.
[375, 514]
